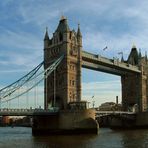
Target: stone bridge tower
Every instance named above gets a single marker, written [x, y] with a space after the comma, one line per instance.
[64, 84]
[135, 86]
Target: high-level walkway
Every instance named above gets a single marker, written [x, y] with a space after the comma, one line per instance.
[112, 66]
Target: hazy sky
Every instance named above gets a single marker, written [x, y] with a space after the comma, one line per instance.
[117, 24]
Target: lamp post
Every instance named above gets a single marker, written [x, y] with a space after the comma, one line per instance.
[0, 103]
[93, 102]
[121, 53]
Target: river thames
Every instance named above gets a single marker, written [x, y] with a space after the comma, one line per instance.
[20, 137]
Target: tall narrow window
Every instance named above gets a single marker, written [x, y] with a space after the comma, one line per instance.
[60, 36]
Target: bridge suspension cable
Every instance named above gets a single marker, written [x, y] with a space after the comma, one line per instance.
[10, 92]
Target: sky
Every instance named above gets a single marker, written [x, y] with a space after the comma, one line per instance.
[116, 24]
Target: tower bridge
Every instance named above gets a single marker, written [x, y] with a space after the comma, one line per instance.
[133, 71]
[64, 57]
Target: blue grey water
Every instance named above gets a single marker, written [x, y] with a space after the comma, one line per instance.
[20, 137]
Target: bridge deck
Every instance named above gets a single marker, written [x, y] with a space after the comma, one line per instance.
[105, 113]
[27, 112]
[40, 112]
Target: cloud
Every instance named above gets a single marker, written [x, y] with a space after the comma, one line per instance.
[116, 25]
[31, 13]
[20, 39]
[13, 71]
[20, 49]
[41, 13]
[101, 87]
[95, 42]
[102, 28]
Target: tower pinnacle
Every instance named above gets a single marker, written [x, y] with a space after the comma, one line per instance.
[140, 53]
[134, 46]
[46, 34]
[79, 32]
[63, 25]
[63, 17]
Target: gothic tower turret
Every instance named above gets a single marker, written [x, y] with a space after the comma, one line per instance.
[67, 87]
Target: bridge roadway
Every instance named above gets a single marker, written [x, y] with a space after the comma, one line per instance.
[27, 112]
[106, 113]
[42, 112]
[112, 66]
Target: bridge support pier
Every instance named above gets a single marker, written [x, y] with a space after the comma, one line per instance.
[66, 122]
[130, 91]
[131, 121]
[138, 121]
[121, 123]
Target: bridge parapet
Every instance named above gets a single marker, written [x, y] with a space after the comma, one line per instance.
[122, 114]
[114, 112]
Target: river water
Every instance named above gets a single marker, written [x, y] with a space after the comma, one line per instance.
[20, 137]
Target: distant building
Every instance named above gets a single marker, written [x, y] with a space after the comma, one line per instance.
[4, 120]
[23, 121]
[110, 106]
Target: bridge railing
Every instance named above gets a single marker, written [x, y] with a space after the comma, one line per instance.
[28, 110]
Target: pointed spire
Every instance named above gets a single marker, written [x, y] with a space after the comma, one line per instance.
[63, 25]
[46, 34]
[140, 53]
[62, 17]
[146, 56]
[79, 32]
[133, 57]
[122, 59]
